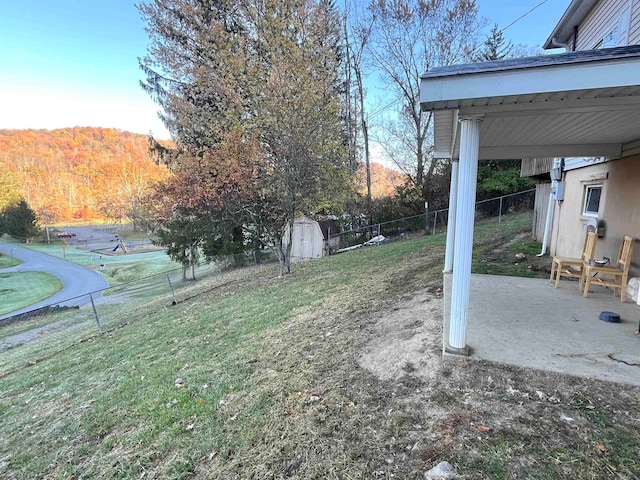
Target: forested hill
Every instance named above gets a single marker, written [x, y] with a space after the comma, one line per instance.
[79, 173]
[383, 180]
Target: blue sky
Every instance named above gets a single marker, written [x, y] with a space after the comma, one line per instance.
[66, 63]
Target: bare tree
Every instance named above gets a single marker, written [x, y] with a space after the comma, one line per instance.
[357, 32]
[410, 37]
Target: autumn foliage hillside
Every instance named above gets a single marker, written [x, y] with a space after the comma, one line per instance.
[79, 173]
[383, 181]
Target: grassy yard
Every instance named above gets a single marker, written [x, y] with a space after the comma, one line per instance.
[20, 289]
[8, 261]
[117, 268]
[261, 379]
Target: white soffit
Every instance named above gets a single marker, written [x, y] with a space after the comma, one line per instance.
[589, 106]
[576, 12]
[449, 92]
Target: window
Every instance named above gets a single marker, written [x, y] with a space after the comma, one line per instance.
[617, 34]
[609, 40]
[592, 200]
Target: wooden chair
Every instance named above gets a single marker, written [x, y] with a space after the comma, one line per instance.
[572, 267]
[610, 276]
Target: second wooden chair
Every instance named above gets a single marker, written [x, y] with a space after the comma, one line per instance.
[610, 276]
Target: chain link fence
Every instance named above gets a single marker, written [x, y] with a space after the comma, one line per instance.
[39, 333]
[42, 332]
[432, 222]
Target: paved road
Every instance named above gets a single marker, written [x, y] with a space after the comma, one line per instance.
[76, 280]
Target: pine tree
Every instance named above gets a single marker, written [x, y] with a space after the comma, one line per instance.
[265, 73]
[495, 47]
[20, 221]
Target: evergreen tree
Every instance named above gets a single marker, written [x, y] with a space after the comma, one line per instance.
[20, 221]
[263, 73]
[495, 47]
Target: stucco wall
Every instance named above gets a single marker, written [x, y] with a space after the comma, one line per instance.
[619, 208]
[622, 209]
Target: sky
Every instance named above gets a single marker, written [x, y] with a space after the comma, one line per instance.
[66, 63]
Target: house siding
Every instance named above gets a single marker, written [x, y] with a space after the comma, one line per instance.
[531, 167]
[634, 29]
[543, 191]
[602, 18]
[619, 208]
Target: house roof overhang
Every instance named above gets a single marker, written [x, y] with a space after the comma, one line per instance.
[576, 12]
[566, 105]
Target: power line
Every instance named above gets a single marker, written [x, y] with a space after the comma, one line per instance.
[524, 15]
[514, 22]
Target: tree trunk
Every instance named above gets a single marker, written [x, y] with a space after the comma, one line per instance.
[284, 251]
[365, 137]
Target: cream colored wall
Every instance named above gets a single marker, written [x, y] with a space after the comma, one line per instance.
[603, 17]
[568, 213]
[619, 208]
[622, 210]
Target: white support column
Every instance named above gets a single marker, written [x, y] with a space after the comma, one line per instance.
[451, 222]
[463, 244]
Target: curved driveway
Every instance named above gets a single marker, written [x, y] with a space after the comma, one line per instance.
[76, 280]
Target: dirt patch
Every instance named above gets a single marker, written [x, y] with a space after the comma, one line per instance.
[135, 248]
[407, 339]
[491, 420]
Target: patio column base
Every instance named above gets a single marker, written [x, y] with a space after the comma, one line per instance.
[458, 352]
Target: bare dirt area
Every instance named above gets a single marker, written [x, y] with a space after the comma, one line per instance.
[407, 339]
[104, 238]
[490, 420]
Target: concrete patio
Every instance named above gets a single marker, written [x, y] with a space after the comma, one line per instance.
[527, 322]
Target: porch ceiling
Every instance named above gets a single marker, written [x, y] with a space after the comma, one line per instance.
[566, 105]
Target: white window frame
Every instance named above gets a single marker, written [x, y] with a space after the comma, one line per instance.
[608, 40]
[585, 200]
[616, 35]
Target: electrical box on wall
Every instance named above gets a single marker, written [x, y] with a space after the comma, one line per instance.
[557, 189]
[556, 169]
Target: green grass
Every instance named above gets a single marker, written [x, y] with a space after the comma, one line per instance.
[21, 289]
[253, 351]
[117, 268]
[8, 261]
[496, 247]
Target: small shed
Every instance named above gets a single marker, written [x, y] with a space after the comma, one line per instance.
[330, 232]
[307, 239]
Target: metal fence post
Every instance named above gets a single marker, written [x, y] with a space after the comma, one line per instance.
[500, 211]
[426, 217]
[173, 292]
[435, 220]
[95, 312]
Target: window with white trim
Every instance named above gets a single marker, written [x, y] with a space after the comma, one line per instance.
[618, 34]
[591, 203]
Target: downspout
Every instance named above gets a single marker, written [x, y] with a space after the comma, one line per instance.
[547, 224]
[556, 177]
[575, 38]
